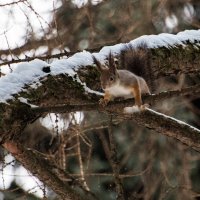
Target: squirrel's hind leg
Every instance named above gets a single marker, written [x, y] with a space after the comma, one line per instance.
[137, 95]
[138, 99]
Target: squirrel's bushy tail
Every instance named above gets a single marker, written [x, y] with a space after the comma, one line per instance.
[138, 62]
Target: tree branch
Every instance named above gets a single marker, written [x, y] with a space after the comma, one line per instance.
[151, 119]
[168, 126]
[57, 179]
[115, 164]
[120, 104]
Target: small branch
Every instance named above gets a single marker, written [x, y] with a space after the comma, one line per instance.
[168, 126]
[28, 59]
[122, 176]
[191, 90]
[115, 164]
[66, 108]
[47, 57]
[80, 160]
[163, 124]
[12, 3]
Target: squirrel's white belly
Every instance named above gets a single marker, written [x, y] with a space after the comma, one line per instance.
[119, 91]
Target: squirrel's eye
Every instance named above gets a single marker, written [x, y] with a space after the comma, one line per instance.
[111, 78]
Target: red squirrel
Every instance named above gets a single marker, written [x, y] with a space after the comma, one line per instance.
[121, 82]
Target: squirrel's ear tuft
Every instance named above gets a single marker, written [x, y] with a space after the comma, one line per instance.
[112, 65]
[97, 63]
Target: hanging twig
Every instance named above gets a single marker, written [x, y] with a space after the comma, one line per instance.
[115, 163]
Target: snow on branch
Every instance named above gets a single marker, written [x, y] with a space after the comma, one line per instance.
[49, 86]
[30, 73]
[170, 127]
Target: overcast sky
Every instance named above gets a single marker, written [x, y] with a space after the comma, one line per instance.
[15, 18]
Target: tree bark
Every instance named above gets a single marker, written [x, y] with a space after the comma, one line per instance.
[62, 91]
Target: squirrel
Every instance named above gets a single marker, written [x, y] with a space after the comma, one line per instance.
[125, 82]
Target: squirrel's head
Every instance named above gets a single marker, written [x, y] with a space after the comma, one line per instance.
[108, 75]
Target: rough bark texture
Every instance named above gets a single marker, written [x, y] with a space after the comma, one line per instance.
[176, 60]
[63, 91]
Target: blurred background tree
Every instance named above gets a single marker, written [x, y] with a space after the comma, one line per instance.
[151, 166]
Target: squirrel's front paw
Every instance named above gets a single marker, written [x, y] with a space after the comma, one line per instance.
[103, 102]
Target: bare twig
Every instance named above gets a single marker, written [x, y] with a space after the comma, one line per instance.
[128, 175]
[33, 44]
[105, 146]
[12, 3]
[115, 164]
[28, 59]
[81, 161]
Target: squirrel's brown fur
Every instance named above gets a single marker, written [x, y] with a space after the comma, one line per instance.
[138, 62]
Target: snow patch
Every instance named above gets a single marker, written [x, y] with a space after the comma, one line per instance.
[6, 170]
[28, 182]
[24, 73]
[131, 110]
[23, 100]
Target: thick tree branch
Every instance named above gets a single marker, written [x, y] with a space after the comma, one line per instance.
[162, 124]
[48, 173]
[168, 126]
[148, 99]
[156, 121]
